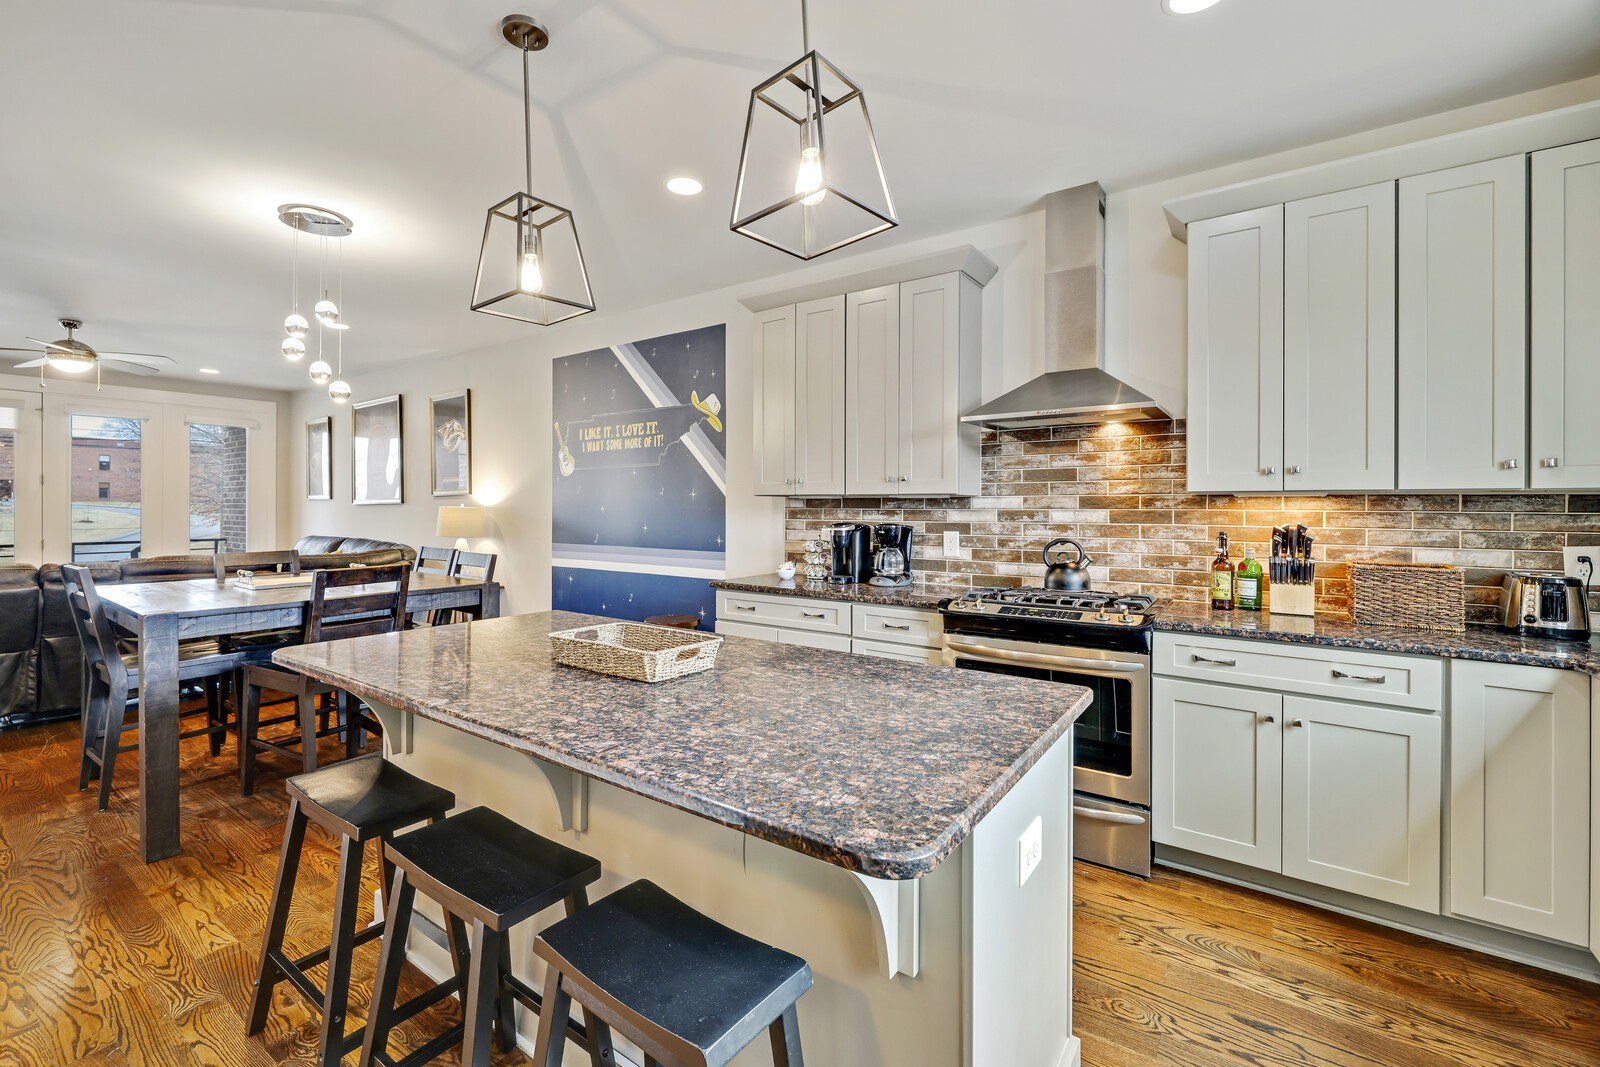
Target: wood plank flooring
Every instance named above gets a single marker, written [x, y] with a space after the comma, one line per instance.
[107, 961]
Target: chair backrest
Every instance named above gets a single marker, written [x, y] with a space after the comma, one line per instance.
[375, 611]
[438, 561]
[227, 564]
[99, 637]
[476, 565]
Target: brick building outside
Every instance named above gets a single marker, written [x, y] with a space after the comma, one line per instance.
[106, 468]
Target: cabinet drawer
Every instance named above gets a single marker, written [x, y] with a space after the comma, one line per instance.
[795, 613]
[1371, 677]
[904, 653]
[729, 628]
[830, 642]
[909, 626]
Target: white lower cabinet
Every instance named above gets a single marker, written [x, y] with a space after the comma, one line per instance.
[903, 653]
[911, 635]
[831, 642]
[1520, 798]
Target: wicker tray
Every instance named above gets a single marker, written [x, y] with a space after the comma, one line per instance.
[1415, 596]
[634, 650]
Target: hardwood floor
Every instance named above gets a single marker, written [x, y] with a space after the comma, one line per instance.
[107, 961]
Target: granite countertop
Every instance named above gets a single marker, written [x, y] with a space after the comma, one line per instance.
[872, 765]
[1477, 643]
[916, 595]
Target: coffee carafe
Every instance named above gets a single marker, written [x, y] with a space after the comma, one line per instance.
[891, 557]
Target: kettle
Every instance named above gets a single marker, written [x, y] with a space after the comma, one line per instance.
[1070, 575]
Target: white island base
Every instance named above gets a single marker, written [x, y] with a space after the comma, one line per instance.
[964, 967]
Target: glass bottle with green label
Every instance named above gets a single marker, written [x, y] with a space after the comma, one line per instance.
[1222, 577]
[1247, 582]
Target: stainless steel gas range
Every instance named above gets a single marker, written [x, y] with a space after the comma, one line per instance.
[1100, 641]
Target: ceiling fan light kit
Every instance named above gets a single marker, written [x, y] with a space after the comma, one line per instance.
[808, 141]
[71, 356]
[530, 264]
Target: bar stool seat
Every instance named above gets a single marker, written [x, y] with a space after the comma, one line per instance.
[359, 800]
[485, 869]
[686, 989]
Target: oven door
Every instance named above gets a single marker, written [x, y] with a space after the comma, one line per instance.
[1111, 741]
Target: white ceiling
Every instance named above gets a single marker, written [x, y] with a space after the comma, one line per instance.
[145, 144]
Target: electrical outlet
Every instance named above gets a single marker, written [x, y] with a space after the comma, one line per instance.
[1030, 850]
[952, 543]
[1578, 570]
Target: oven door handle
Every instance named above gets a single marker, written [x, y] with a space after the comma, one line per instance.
[1119, 817]
[1109, 666]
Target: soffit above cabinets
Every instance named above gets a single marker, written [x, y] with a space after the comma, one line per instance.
[964, 259]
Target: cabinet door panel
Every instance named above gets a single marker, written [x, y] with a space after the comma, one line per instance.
[775, 401]
[830, 642]
[1565, 328]
[1519, 798]
[1462, 323]
[819, 397]
[1217, 771]
[1236, 352]
[930, 385]
[872, 390]
[1338, 341]
[1361, 800]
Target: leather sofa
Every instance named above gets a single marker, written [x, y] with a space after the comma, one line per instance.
[41, 658]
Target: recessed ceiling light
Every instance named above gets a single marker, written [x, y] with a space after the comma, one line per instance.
[209, 370]
[1185, 7]
[684, 186]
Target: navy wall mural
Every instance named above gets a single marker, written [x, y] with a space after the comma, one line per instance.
[640, 479]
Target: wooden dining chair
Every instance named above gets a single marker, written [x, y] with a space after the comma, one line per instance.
[380, 609]
[472, 566]
[227, 564]
[432, 560]
[112, 676]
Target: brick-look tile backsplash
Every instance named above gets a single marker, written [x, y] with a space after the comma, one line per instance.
[1119, 490]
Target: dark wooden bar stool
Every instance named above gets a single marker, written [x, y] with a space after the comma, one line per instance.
[359, 800]
[677, 622]
[494, 873]
[687, 990]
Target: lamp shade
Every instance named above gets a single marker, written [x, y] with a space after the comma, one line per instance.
[463, 522]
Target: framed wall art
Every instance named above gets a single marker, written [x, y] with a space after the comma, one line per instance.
[319, 459]
[375, 452]
[450, 443]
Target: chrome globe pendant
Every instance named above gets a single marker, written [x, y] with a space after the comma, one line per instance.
[324, 223]
[339, 389]
[810, 162]
[530, 265]
[320, 372]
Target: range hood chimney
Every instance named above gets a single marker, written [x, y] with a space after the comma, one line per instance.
[1078, 390]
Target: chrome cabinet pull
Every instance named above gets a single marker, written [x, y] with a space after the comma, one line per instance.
[1553, 461]
[895, 626]
[1297, 722]
[814, 614]
[1379, 678]
[1295, 469]
[1196, 658]
[1120, 818]
[742, 607]
[1510, 464]
[1269, 719]
[1270, 470]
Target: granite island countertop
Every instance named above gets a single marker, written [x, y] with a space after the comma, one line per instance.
[923, 595]
[872, 765]
[1476, 643]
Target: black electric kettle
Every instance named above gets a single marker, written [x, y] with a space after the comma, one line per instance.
[1071, 575]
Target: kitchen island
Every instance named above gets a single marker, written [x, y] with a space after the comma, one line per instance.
[874, 817]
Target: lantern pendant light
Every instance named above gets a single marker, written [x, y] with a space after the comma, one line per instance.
[810, 177]
[530, 266]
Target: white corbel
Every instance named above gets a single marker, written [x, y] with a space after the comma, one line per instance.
[897, 905]
[570, 791]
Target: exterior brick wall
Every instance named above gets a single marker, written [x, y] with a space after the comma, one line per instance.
[124, 477]
[234, 513]
[1119, 490]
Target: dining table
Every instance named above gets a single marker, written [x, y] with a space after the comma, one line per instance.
[161, 614]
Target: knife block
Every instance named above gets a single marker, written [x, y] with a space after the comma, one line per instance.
[1284, 598]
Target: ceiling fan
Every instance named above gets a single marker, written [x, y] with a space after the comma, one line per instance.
[71, 356]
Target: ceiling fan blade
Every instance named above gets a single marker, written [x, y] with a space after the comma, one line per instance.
[35, 351]
[52, 344]
[144, 358]
[133, 368]
[30, 363]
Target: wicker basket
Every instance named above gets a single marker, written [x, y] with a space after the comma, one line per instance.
[1415, 596]
[633, 650]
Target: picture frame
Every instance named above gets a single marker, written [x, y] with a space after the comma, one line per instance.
[450, 443]
[319, 458]
[377, 448]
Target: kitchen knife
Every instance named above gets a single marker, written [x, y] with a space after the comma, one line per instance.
[1310, 567]
[1274, 562]
[1302, 552]
[1293, 536]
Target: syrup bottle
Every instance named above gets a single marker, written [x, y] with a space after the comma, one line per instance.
[1222, 577]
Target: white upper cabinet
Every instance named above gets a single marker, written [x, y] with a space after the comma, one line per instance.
[872, 390]
[1565, 327]
[775, 406]
[819, 408]
[1338, 341]
[939, 368]
[1236, 352]
[1462, 327]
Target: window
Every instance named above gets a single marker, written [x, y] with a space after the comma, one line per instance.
[105, 515]
[218, 470]
[8, 480]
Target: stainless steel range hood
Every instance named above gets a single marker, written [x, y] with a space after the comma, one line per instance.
[1078, 389]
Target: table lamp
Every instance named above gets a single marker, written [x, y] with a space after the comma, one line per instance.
[463, 522]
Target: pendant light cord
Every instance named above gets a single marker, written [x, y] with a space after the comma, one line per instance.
[294, 273]
[527, 117]
[805, 29]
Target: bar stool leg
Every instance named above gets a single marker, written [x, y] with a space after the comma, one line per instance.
[308, 732]
[270, 974]
[216, 714]
[483, 986]
[249, 723]
[336, 994]
[505, 1020]
[386, 985]
[601, 1054]
[554, 1008]
[785, 1034]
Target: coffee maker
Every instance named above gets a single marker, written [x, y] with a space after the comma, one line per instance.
[849, 552]
[891, 554]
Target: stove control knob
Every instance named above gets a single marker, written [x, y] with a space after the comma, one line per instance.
[1104, 617]
[1126, 617]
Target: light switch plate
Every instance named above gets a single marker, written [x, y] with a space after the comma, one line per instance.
[1030, 850]
[1577, 570]
[952, 543]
